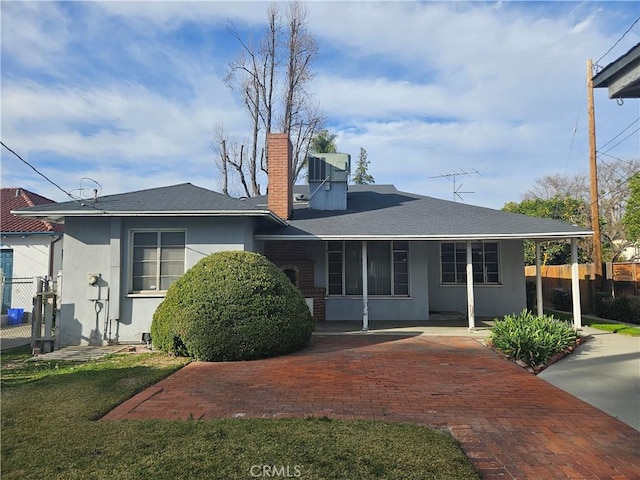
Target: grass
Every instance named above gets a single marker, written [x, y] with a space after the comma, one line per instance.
[617, 328]
[601, 324]
[49, 430]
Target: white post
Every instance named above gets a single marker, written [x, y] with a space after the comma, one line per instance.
[539, 282]
[1, 287]
[470, 300]
[365, 293]
[575, 285]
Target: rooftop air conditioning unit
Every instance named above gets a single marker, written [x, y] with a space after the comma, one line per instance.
[328, 167]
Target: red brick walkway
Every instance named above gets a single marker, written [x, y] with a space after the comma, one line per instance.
[510, 423]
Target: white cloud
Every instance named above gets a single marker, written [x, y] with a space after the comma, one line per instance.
[32, 32]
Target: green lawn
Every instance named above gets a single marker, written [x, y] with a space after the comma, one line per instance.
[617, 328]
[49, 430]
[599, 324]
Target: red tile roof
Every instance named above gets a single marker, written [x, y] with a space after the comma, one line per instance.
[15, 198]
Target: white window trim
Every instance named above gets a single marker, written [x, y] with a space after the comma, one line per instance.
[392, 295]
[149, 293]
[475, 284]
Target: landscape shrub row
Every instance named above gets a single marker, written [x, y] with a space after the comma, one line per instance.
[625, 308]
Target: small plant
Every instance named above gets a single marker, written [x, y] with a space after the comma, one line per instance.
[530, 338]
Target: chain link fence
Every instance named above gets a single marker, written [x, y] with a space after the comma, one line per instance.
[17, 311]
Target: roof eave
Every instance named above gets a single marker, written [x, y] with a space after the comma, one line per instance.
[59, 216]
[436, 237]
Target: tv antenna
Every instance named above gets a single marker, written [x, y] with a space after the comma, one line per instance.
[89, 192]
[457, 192]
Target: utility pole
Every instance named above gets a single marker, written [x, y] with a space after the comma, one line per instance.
[593, 174]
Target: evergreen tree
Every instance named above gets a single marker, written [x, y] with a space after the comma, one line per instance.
[361, 176]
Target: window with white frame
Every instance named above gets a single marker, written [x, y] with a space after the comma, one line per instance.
[157, 259]
[387, 268]
[484, 258]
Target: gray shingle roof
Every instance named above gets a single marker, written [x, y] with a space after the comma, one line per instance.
[381, 211]
[373, 212]
[183, 199]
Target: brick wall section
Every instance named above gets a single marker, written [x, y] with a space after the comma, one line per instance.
[295, 255]
[293, 250]
[280, 191]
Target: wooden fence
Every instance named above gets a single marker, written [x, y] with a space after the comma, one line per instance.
[620, 279]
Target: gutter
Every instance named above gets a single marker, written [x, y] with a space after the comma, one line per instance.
[60, 215]
[504, 236]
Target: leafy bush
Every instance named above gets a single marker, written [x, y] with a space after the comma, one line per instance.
[232, 306]
[531, 294]
[532, 339]
[602, 302]
[561, 300]
[625, 308]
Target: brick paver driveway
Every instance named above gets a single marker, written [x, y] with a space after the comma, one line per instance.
[510, 423]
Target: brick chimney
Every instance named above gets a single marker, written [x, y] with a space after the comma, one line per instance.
[280, 191]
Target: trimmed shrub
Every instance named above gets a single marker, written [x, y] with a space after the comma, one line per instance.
[625, 308]
[531, 294]
[232, 306]
[561, 299]
[530, 338]
[602, 301]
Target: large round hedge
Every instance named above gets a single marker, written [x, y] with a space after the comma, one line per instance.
[232, 306]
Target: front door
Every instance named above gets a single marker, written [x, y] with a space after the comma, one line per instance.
[6, 264]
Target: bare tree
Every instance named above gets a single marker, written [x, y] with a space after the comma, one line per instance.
[270, 81]
[613, 193]
[230, 159]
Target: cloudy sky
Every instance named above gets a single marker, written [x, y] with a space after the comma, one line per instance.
[127, 93]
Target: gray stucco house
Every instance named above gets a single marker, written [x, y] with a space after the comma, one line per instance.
[356, 252]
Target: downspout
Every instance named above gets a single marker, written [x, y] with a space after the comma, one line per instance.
[54, 239]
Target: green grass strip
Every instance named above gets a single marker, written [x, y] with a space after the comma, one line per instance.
[617, 328]
[599, 324]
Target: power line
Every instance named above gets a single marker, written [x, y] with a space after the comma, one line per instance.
[618, 41]
[629, 162]
[69, 195]
[625, 138]
[624, 130]
[38, 172]
[575, 128]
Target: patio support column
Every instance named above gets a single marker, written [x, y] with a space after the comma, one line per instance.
[470, 300]
[539, 282]
[575, 285]
[365, 288]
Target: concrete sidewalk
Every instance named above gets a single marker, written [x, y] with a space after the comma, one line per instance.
[604, 372]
